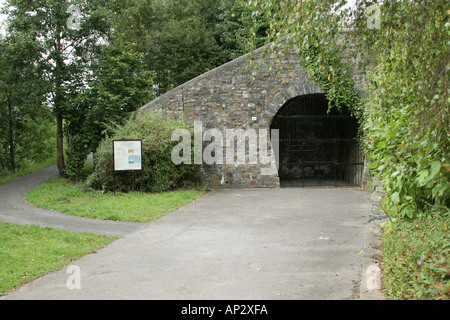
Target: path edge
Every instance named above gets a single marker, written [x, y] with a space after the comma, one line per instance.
[371, 278]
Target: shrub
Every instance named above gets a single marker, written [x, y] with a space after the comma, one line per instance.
[416, 257]
[159, 172]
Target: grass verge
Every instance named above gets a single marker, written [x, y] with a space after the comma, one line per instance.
[416, 258]
[65, 196]
[29, 252]
[33, 168]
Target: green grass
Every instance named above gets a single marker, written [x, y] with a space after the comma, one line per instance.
[416, 258]
[29, 252]
[64, 196]
[4, 178]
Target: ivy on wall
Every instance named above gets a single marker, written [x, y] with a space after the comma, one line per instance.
[402, 49]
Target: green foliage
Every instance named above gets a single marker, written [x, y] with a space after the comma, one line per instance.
[65, 54]
[119, 85]
[404, 113]
[122, 54]
[25, 122]
[183, 39]
[174, 36]
[416, 258]
[314, 30]
[159, 172]
[404, 116]
[238, 29]
[407, 118]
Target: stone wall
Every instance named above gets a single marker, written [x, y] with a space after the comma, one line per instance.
[228, 97]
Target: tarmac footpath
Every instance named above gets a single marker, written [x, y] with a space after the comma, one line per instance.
[14, 209]
[250, 244]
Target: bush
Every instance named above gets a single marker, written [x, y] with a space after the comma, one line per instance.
[416, 257]
[159, 172]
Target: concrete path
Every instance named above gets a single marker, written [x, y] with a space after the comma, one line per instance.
[230, 244]
[14, 209]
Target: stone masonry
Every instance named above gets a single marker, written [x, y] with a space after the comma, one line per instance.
[229, 97]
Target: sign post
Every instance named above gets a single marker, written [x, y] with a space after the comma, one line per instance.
[127, 156]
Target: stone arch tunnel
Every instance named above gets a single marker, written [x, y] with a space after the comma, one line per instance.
[229, 97]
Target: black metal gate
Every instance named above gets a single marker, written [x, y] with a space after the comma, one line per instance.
[317, 147]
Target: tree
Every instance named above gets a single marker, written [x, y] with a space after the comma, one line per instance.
[21, 99]
[183, 39]
[118, 86]
[66, 50]
[238, 29]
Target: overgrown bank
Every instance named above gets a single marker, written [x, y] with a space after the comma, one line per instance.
[403, 49]
[416, 258]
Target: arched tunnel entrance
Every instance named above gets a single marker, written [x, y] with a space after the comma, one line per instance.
[317, 147]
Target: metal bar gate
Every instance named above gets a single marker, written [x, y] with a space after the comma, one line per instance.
[317, 147]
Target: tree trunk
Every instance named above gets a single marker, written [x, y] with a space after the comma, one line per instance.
[60, 145]
[12, 156]
[58, 99]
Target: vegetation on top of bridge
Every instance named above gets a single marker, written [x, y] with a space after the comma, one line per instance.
[404, 112]
[403, 49]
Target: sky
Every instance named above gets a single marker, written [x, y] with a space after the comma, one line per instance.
[2, 17]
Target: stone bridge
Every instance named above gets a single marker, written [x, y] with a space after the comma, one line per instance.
[228, 97]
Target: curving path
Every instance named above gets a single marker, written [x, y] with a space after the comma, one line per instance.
[14, 209]
[250, 244]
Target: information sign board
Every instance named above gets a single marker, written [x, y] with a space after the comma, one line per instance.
[127, 155]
